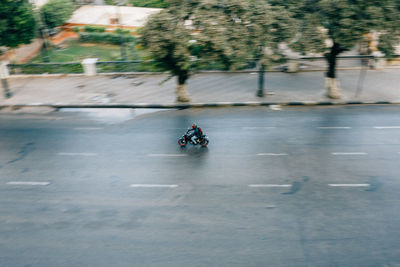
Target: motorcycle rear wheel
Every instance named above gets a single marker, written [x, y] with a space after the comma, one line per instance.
[204, 143]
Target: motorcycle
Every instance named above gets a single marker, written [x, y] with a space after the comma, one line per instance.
[185, 139]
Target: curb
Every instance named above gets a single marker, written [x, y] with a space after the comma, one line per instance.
[195, 105]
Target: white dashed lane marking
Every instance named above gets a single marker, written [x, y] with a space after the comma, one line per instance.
[167, 155]
[334, 127]
[154, 185]
[386, 127]
[349, 153]
[272, 154]
[349, 185]
[269, 185]
[28, 183]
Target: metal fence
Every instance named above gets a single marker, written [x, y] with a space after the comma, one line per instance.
[303, 64]
[128, 66]
[40, 68]
[343, 62]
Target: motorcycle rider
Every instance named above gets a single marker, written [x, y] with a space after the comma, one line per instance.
[195, 133]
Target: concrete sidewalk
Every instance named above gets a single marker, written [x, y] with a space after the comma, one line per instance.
[205, 88]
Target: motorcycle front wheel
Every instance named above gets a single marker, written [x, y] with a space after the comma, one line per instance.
[182, 142]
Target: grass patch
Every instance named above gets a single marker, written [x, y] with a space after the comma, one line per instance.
[74, 51]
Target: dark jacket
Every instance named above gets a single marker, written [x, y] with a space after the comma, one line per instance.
[196, 132]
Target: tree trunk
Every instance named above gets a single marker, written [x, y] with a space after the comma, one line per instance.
[7, 93]
[331, 82]
[44, 50]
[181, 92]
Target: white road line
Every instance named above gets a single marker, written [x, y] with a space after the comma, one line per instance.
[349, 153]
[154, 185]
[77, 154]
[275, 107]
[272, 154]
[387, 127]
[167, 155]
[349, 185]
[28, 183]
[89, 128]
[335, 127]
[269, 185]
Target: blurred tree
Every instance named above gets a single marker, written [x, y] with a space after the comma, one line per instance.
[17, 26]
[222, 32]
[334, 26]
[84, 2]
[17, 22]
[56, 12]
[269, 26]
[149, 3]
[190, 30]
[138, 3]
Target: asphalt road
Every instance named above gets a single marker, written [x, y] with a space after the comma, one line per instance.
[295, 187]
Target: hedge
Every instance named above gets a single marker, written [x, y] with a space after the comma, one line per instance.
[89, 28]
[39, 68]
[122, 31]
[120, 66]
[108, 38]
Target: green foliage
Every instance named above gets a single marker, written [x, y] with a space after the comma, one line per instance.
[220, 33]
[140, 3]
[149, 3]
[106, 38]
[97, 34]
[40, 68]
[344, 22]
[83, 2]
[75, 51]
[269, 26]
[389, 27]
[122, 31]
[167, 39]
[56, 12]
[385, 45]
[17, 22]
[89, 28]
[76, 29]
[211, 34]
[332, 27]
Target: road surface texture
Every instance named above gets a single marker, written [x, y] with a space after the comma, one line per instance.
[291, 187]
